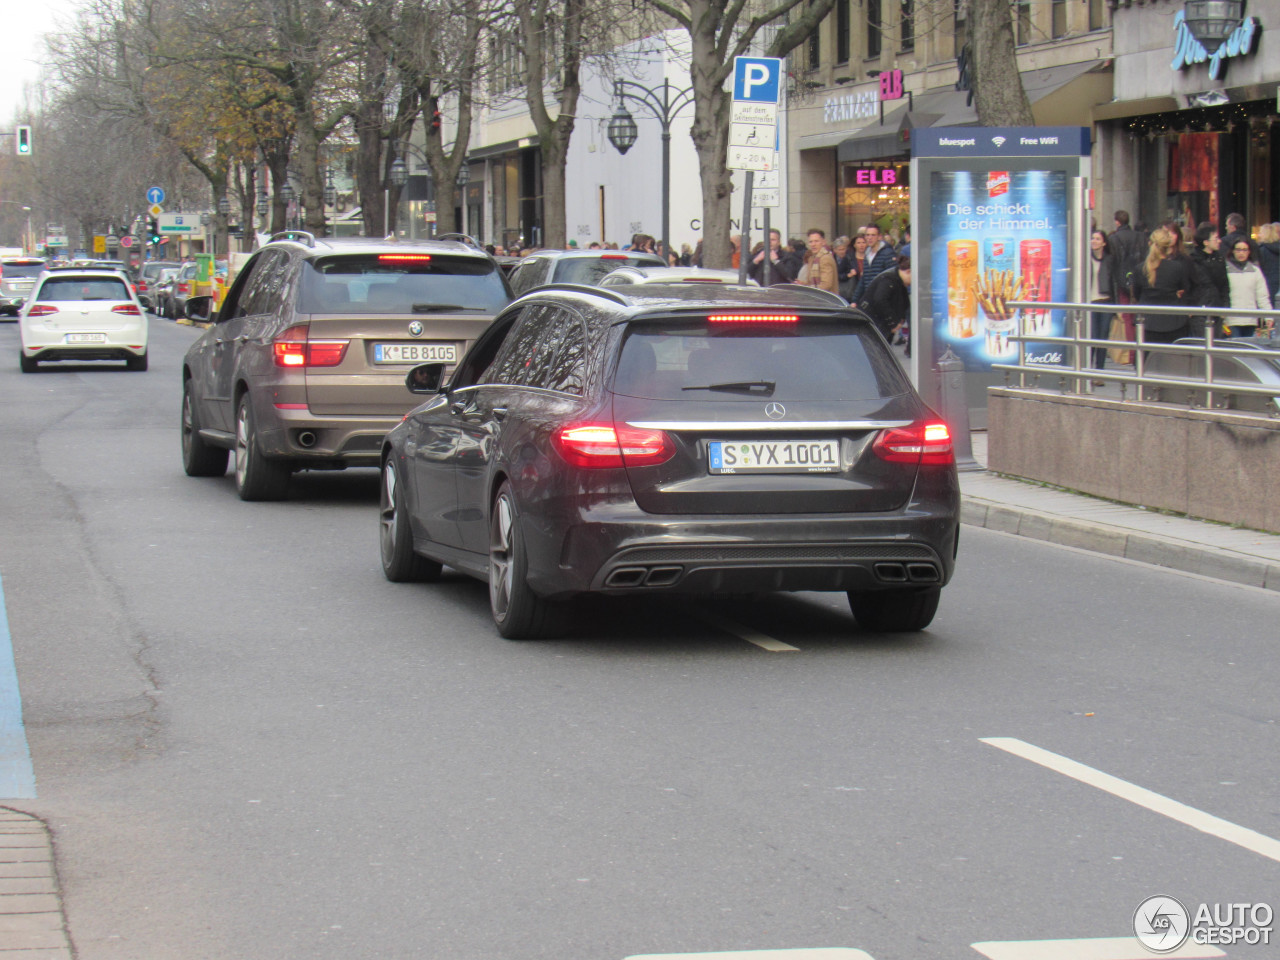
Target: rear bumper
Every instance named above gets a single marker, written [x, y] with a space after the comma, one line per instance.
[734, 555]
[304, 438]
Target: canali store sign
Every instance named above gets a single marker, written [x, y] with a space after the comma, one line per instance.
[1187, 50]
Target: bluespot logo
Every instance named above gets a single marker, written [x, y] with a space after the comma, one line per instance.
[1161, 924]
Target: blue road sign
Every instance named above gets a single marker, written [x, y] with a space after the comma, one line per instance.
[756, 79]
[155, 195]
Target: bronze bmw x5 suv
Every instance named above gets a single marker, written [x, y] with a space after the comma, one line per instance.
[303, 366]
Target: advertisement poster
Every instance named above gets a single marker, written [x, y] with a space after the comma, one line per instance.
[998, 235]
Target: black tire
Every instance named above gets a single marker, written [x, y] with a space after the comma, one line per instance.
[895, 611]
[257, 477]
[138, 364]
[518, 612]
[199, 458]
[28, 364]
[399, 563]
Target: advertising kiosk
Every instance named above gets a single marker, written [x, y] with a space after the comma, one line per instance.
[998, 214]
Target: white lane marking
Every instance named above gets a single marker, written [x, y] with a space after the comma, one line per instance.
[1106, 948]
[819, 953]
[761, 640]
[1204, 822]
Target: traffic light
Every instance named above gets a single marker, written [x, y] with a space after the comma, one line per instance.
[22, 141]
[153, 231]
[435, 120]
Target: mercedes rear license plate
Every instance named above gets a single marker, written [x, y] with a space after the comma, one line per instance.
[415, 353]
[86, 338]
[774, 456]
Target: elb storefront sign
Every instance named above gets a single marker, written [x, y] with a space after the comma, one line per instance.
[1188, 50]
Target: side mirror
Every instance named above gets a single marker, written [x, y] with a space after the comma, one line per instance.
[425, 378]
[198, 308]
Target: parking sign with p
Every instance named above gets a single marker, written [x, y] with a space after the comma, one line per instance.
[756, 79]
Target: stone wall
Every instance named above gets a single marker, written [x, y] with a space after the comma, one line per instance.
[1214, 464]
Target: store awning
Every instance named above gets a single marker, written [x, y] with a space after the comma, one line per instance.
[497, 149]
[1120, 109]
[1060, 96]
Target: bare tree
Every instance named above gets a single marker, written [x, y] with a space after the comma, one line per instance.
[719, 31]
[998, 94]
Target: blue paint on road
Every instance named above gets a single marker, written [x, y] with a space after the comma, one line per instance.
[17, 778]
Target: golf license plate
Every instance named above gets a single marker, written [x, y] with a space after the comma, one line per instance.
[86, 338]
[415, 353]
[774, 456]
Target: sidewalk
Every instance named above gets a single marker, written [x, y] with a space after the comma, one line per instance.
[32, 926]
[1075, 520]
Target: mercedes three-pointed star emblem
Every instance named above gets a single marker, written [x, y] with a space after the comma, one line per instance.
[775, 410]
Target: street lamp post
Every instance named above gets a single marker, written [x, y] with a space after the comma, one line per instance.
[400, 174]
[664, 102]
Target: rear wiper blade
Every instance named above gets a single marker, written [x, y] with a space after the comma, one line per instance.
[440, 308]
[742, 386]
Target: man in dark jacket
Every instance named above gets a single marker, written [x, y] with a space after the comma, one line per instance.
[879, 258]
[783, 267]
[1129, 249]
[1235, 231]
[1212, 288]
[888, 299]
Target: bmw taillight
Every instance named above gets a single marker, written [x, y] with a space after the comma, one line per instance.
[612, 445]
[126, 308]
[293, 349]
[41, 310]
[925, 442]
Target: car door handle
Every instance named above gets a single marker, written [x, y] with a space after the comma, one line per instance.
[499, 413]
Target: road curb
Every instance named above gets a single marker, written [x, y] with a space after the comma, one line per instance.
[1120, 542]
[32, 923]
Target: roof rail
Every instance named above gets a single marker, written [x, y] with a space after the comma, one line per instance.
[605, 292]
[461, 238]
[301, 236]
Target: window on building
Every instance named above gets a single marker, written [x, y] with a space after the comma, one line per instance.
[1096, 17]
[908, 35]
[961, 31]
[1023, 8]
[1059, 25]
[812, 50]
[843, 26]
[873, 29]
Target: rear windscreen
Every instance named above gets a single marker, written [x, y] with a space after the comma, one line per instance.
[381, 284]
[809, 360]
[590, 270]
[21, 270]
[62, 289]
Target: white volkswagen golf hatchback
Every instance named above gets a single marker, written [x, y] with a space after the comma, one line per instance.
[82, 313]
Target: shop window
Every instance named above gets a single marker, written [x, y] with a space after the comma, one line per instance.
[908, 35]
[1023, 8]
[873, 29]
[1059, 12]
[843, 27]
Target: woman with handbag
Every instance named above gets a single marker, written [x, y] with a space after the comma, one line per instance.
[1167, 279]
[1102, 289]
[851, 265]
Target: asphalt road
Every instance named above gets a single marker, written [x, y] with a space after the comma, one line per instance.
[249, 745]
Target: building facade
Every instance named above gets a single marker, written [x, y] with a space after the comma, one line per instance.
[1189, 137]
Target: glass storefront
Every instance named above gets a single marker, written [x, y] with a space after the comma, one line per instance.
[874, 191]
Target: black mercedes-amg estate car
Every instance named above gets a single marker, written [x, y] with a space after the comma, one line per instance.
[695, 439]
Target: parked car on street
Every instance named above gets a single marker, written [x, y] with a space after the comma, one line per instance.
[303, 365]
[147, 278]
[83, 313]
[696, 439]
[160, 290]
[17, 277]
[182, 289]
[541, 267]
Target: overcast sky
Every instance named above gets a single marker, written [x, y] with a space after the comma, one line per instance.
[23, 24]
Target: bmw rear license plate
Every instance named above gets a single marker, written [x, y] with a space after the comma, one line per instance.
[415, 353]
[86, 338]
[774, 456]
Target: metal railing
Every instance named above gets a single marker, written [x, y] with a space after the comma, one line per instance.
[1079, 376]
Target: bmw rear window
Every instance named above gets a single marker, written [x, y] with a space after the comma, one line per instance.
[810, 359]
[401, 283]
[64, 289]
[591, 270]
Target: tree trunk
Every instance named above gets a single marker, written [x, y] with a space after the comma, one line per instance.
[998, 95]
[710, 134]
